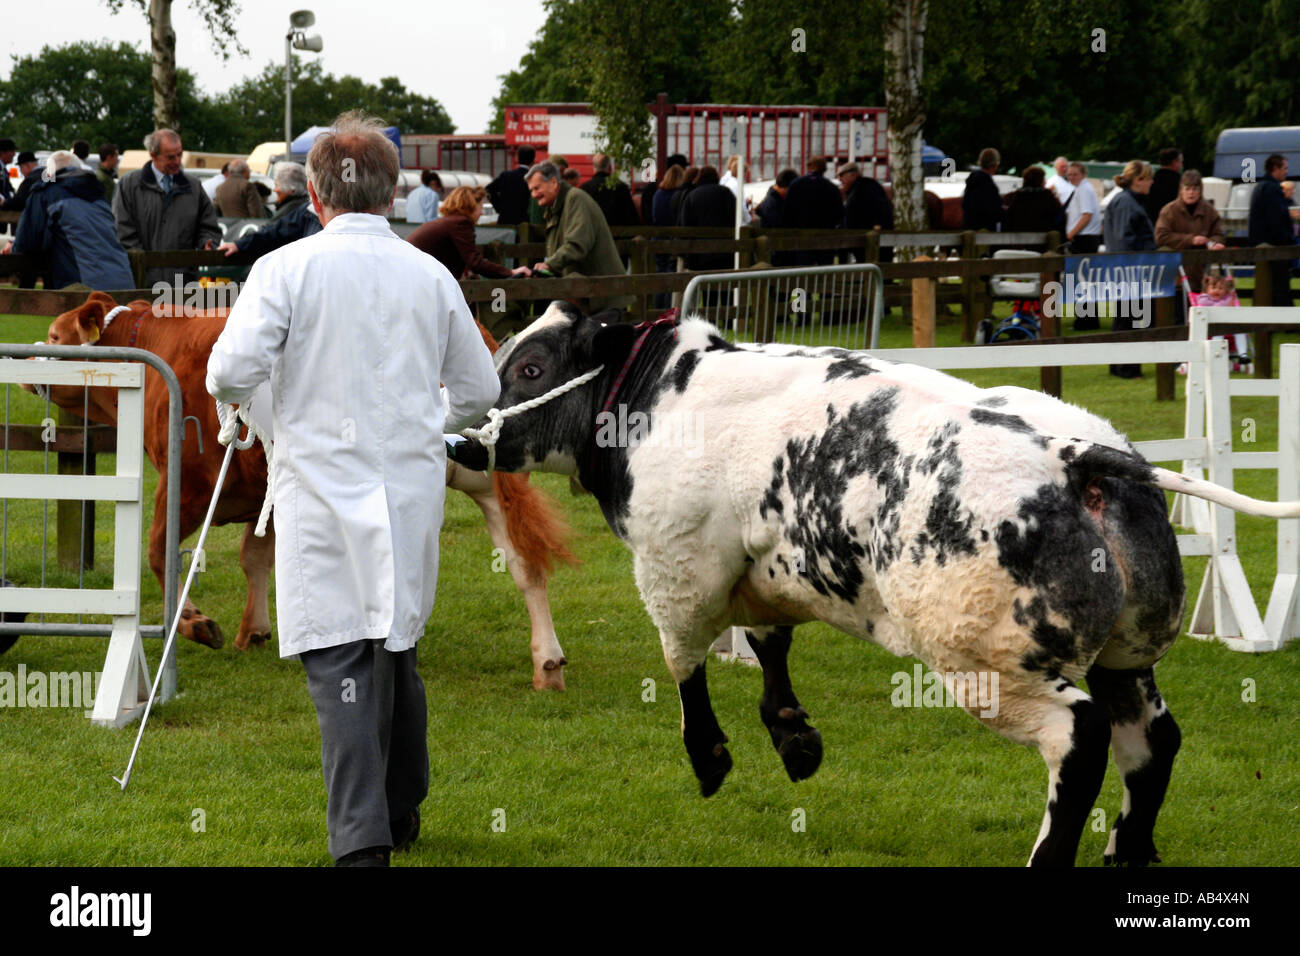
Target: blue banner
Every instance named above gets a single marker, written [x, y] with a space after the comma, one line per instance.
[1119, 278]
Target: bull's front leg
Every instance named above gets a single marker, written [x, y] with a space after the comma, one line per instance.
[194, 624]
[798, 743]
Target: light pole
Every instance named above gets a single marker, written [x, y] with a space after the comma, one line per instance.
[296, 39]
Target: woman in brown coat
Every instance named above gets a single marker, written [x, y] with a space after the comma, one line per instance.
[450, 238]
[1189, 222]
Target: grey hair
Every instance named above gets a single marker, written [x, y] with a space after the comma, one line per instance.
[238, 168]
[153, 142]
[291, 177]
[353, 165]
[547, 170]
[57, 160]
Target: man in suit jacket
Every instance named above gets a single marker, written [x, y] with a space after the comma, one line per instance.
[1164, 188]
[613, 197]
[1270, 222]
[509, 191]
[981, 205]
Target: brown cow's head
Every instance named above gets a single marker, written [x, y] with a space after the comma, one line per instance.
[83, 326]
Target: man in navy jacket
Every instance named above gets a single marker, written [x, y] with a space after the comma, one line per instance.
[1270, 221]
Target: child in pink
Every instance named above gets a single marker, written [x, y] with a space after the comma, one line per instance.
[1218, 290]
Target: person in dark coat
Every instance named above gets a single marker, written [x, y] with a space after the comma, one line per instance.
[770, 213]
[709, 204]
[67, 218]
[689, 176]
[661, 214]
[981, 205]
[1034, 207]
[31, 172]
[1270, 221]
[813, 202]
[294, 216]
[7, 148]
[866, 204]
[1164, 187]
[613, 197]
[450, 239]
[649, 190]
[1127, 228]
[509, 192]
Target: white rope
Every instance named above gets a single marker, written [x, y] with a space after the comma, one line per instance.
[228, 433]
[114, 314]
[488, 435]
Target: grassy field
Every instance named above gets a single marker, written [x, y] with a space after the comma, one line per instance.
[230, 770]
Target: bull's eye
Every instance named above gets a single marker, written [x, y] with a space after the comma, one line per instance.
[531, 371]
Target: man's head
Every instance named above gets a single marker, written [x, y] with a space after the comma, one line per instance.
[1061, 165]
[571, 176]
[1172, 158]
[783, 180]
[677, 159]
[237, 167]
[708, 176]
[290, 180]
[1189, 187]
[429, 177]
[989, 160]
[353, 166]
[849, 174]
[109, 156]
[1276, 166]
[543, 183]
[59, 159]
[7, 149]
[1034, 177]
[1076, 172]
[602, 164]
[559, 162]
[27, 162]
[817, 166]
[81, 149]
[165, 150]
[526, 155]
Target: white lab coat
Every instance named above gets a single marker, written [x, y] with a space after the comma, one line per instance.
[355, 329]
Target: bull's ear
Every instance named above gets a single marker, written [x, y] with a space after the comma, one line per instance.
[90, 317]
[610, 344]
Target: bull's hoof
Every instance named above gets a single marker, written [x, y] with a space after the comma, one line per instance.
[255, 640]
[548, 679]
[1142, 857]
[801, 753]
[712, 768]
[204, 630]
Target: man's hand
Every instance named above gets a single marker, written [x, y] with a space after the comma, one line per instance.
[1211, 245]
[523, 272]
[9, 247]
[1199, 240]
[229, 248]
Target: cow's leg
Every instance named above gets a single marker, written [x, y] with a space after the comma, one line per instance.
[1072, 732]
[194, 624]
[704, 739]
[548, 657]
[799, 744]
[1145, 739]
[257, 558]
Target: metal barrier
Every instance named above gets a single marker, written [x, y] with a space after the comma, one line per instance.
[125, 683]
[816, 306]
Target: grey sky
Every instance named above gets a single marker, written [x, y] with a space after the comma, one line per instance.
[451, 51]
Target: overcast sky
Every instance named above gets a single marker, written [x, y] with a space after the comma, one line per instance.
[451, 51]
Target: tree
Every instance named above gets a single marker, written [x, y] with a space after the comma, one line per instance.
[904, 48]
[218, 15]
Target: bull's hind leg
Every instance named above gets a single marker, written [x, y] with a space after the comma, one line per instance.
[1145, 740]
[257, 558]
[798, 743]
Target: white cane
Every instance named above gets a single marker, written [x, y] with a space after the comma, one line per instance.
[195, 561]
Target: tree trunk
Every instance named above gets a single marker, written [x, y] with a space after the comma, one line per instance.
[166, 105]
[904, 42]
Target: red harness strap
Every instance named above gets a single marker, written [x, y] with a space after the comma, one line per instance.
[135, 329]
[668, 318]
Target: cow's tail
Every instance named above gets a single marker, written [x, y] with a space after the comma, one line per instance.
[538, 533]
[1086, 461]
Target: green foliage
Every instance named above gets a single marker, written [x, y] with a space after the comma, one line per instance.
[218, 16]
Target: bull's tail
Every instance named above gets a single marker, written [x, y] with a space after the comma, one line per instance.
[1086, 461]
[537, 532]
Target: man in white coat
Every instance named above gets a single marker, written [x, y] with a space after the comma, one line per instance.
[355, 329]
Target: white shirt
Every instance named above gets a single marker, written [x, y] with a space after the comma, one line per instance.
[355, 329]
[211, 183]
[1061, 186]
[1084, 201]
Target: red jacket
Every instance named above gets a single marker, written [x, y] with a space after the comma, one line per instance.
[450, 240]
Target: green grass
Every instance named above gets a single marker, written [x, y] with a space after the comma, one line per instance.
[598, 775]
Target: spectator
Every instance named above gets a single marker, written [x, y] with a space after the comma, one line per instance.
[981, 205]
[1166, 183]
[1082, 214]
[813, 202]
[294, 216]
[536, 214]
[1127, 228]
[731, 179]
[571, 176]
[1269, 222]
[612, 196]
[351, 326]
[1034, 207]
[770, 213]
[158, 208]
[30, 171]
[7, 149]
[422, 201]
[81, 149]
[67, 218]
[237, 197]
[661, 214]
[213, 183]
[509, 192]
[450, 239]
[689, 175]
[1189, 222]
[1059, 182]
[578, 240]
[106, 172]
[710, 204]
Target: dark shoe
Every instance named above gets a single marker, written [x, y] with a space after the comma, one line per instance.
[405, 831]
[369, 856]
[1086, 325]
[1126, 371]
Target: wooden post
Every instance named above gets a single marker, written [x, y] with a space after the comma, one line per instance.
[137, 266]
[972, 302]
[1049, 377]
[75, 519]
[1164, 317]
[923, 310]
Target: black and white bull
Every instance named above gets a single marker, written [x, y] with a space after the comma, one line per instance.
[988, 532]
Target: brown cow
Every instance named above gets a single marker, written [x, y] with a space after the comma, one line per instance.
[521, 521]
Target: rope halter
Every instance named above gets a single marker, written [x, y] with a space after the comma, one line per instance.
[229, 419]
[488, 435]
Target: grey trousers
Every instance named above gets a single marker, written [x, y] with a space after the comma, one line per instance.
[374, 753]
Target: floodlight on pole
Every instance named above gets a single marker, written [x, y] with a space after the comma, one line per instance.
[296, 39]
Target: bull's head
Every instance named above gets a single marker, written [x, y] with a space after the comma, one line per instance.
[557, 348]
[83, 326]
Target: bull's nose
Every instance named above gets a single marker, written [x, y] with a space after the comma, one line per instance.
[468, 452]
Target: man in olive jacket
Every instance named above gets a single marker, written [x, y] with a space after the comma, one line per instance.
[578, 240]
[159, 208]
